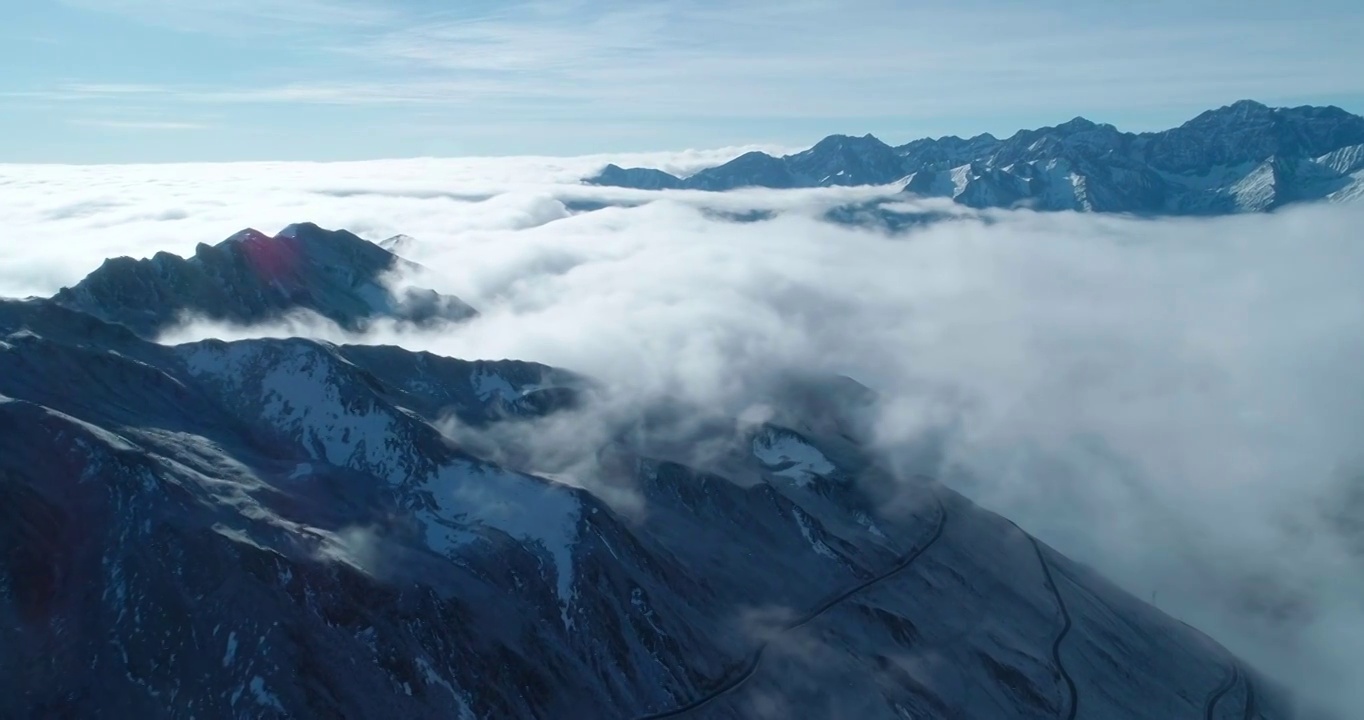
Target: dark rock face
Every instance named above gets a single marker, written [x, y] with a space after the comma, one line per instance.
[252, 277]
[1249, 132]
[643, 178]
[843, 160]
[285, 528]
[750, 169]
[1245, 157]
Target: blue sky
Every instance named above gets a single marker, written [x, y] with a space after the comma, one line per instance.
[90, 81]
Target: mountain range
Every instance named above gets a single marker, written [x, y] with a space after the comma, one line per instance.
[285, 528]
[1244, 157]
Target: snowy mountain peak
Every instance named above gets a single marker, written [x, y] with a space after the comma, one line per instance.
[247, 235]
[847, 143]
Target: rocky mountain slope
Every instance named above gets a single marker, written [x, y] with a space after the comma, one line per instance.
[288, 528]
[1244, 157]
[251, 278]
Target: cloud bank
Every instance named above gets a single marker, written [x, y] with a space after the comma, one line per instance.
[1178, 402]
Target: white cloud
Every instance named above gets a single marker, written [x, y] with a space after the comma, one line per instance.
[869, 59]
[114, 88]
[1177, 402]
[253, 17]
[157, 125]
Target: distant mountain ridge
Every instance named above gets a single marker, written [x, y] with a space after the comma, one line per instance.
[1244, 157]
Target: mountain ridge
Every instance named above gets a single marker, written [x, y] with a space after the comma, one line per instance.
[1243, 157]
[251, 277]
[279, 528]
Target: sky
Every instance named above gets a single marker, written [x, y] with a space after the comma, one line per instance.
[1177, 402]
[120, 81]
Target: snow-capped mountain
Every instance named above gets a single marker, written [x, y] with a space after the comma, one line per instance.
[1240, 158]
[288, 528]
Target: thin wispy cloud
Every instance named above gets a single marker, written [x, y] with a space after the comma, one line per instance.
[114, 88]
[135, 125]
[698, 73]
[256, 17]
[656, 58]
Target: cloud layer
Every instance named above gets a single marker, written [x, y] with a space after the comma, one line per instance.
[1177, 402]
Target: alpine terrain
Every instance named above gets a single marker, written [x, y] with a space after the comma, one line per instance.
[293, 529]
[1245, 157]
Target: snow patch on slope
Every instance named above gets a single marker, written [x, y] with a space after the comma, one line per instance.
[1353, 192]
[789, 456]
[1257, 190]
[865, 521]
[230, 654]
[299, 390]
[806, 531]
[539, 514]
[487, 384]
[434, 678]
[263, 696]
[961, 177]
[1346, 160]
[300, 395]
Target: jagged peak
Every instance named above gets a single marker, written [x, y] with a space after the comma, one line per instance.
[613, 174]
[612, 169]
[1078, 124]
[246, 235]
[1241, 109]
[954, 139]
[294, 230]
[837, 141]
[307, 233]
[1246, 105]
[750, 157]
[399, 244]
[118, 261]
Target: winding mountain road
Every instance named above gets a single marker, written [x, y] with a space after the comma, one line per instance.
[751, 667]
[1216, 696]
[1248, 708]
[1074, 703]
[1250, 711]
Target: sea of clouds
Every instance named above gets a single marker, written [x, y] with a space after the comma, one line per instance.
[1179, 402]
